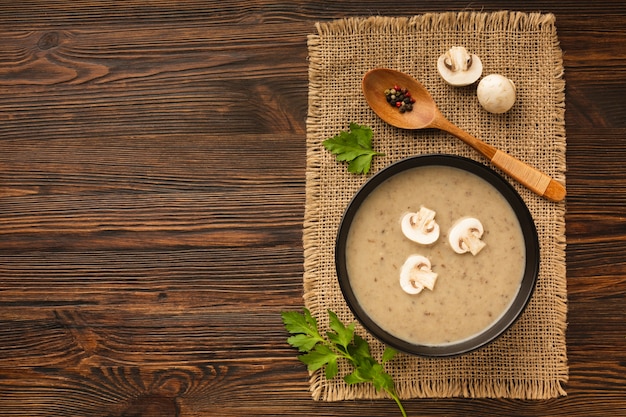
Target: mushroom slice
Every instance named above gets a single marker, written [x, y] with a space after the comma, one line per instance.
[458, 67]
[420, 227]
[465, 236]
[416, 274]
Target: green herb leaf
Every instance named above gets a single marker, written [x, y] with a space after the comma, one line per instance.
[383, 380]
[355, 377]
[341, 343]
[332, 369]
[343, 334]
[359, 350]
[388, 354]
[320, 356]
[303, 342]
[297, 323]
[354, 147]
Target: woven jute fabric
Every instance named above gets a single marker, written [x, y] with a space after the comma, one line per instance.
[529, 361]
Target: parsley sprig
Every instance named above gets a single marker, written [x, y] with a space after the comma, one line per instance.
[354, 147]
[341, 343]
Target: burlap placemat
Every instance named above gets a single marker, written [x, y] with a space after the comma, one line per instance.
[529, 361]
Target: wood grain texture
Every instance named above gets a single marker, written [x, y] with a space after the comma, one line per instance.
[152, 172]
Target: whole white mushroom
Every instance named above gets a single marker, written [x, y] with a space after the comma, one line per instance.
[496, 93]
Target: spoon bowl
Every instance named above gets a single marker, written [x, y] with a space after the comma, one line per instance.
[424, 109]
[426, 115]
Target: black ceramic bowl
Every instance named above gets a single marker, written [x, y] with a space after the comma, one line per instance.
[528, 280]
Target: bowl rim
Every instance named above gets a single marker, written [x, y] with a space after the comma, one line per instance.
[529, 278]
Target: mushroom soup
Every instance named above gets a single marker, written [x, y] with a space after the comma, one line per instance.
[471, 292]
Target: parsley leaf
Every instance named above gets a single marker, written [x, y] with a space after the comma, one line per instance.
[303, 327]
[354, 147]
[319, 356]
[343, 335]
[341, 343]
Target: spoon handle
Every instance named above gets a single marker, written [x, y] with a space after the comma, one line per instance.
[531, 178]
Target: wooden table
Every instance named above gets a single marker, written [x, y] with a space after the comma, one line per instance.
[152, 161]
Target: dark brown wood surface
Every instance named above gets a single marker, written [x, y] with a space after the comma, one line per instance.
[152, 159]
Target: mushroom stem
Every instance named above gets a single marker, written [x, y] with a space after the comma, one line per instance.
[472, 243]
[458, 59]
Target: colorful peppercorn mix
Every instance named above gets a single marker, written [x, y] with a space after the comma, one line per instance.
[400, 97]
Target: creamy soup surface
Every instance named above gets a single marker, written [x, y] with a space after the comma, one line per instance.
[471, 292]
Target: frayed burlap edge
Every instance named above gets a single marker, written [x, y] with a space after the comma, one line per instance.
[520, 388]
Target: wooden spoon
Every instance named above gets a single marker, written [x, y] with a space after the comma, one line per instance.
[425, 114]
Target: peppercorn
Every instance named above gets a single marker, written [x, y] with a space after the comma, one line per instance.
[400, 98]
